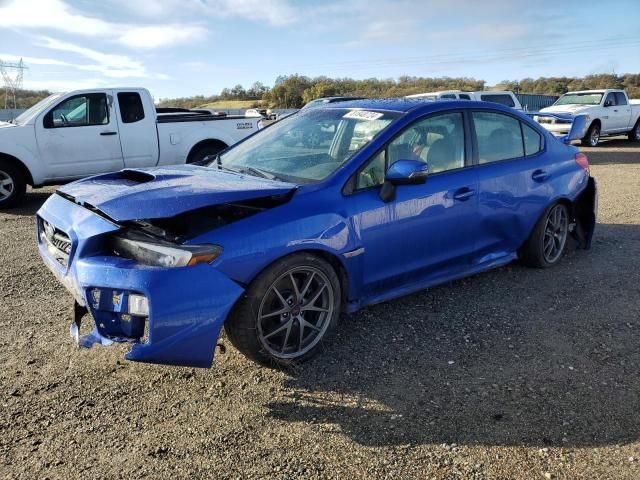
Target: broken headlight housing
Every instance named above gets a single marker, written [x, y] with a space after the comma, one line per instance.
[147, 250]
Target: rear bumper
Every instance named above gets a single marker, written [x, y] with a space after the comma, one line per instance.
[187, 306]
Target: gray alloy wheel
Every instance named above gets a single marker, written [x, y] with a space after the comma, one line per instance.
[7, 186]
[556, 230]
[295, 312]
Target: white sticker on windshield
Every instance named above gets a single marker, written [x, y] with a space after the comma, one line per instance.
[363, 115]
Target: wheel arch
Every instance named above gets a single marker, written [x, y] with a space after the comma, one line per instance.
[20, 164]
[332, 258]
[214, 142]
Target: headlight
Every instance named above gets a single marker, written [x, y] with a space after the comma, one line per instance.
[163, 254]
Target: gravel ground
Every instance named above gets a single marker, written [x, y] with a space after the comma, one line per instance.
[514, 373]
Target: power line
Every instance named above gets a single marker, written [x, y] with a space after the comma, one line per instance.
[12, 83]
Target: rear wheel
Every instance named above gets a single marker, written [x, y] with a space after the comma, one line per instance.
[199, 155]
[634, 135]
[592, 137]
[287, 312]
[12, 185]
[547, 242]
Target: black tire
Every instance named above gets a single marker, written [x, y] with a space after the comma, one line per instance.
[634, 135]
[592, 137]
[198, 156]
[12, 184]
[533, 252]
[246, 327]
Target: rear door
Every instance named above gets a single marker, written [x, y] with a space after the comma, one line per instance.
[512, 179]
[79, 137]
[138, 132]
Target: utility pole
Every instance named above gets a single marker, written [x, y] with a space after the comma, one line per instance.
[12, 83]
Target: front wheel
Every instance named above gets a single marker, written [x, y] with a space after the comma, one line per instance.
[12, 185]
[547, 242]
[634, 135]
[592, 137]
[287, 312]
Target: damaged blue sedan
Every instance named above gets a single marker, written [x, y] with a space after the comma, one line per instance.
[326, 211]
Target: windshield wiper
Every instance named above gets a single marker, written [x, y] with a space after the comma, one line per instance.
[257, 172]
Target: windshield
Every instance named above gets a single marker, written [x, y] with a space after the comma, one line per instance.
[579, 99]
[37, 108]
[307, 147]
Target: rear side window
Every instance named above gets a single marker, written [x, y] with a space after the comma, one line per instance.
[448, 95]
[498, 98]
[131, 109]
[532, 140]
[464, 96]
[499, 137]
[620, 98]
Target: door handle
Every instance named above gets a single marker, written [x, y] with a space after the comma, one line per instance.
[463, 194]
[104, 134]
[539, 175]
[615, 110]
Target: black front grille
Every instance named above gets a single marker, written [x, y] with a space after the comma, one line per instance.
[58, 243]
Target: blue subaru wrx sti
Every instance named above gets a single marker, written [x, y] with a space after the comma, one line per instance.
[326, 211]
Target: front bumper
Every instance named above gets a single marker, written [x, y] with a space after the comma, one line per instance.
[187, 305]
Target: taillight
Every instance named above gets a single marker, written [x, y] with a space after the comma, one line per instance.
[583, 161]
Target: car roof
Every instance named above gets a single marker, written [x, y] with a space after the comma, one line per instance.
[404, 105]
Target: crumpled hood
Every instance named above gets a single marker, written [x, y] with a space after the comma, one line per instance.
[141, 194]
[568, 109]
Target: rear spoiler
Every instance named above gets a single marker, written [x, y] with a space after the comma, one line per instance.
[579, 123]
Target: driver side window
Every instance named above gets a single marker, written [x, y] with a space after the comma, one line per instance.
[437, 140]
[79, 111]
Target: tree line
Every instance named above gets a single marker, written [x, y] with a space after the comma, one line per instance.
[293, 91]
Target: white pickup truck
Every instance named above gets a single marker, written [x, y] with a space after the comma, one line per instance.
[73, 135]
[608, 112]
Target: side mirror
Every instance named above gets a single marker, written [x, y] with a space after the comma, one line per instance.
[407, 172]
[402, 172]
[578, 129]
[608, 103]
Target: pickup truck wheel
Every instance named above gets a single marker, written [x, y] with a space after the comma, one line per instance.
[592, 137]
[287, 312]
[547, 242]
[12, 185]
[634, 135]
[198, 156]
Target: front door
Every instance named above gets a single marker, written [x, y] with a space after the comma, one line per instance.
[79, 137]
[426, 232]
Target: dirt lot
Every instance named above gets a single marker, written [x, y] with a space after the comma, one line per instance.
[515, 373]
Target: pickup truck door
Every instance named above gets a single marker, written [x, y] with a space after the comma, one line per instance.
[622, 112]
[79, 137]
[138, 133]
[613, 116]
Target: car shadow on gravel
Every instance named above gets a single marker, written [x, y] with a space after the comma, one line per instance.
[514, 356]
[30, 204]
[614, 151]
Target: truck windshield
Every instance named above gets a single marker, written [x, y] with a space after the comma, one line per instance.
[579, 99]
[37, 108]
[307, 147]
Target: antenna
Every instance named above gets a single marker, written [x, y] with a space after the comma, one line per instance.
[12, 83]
